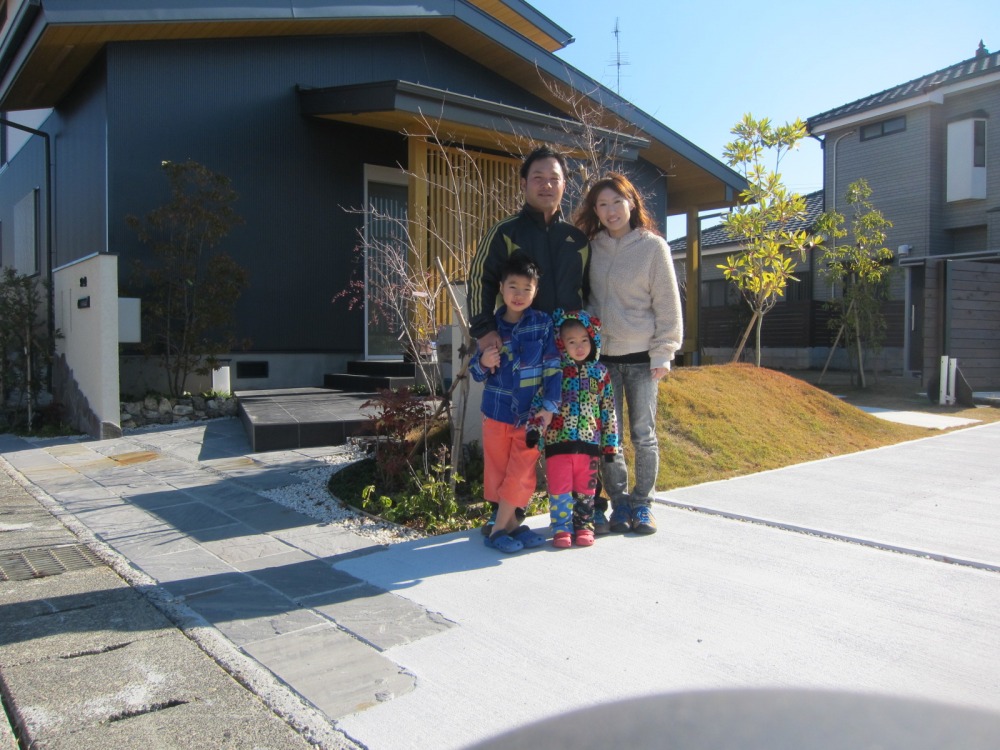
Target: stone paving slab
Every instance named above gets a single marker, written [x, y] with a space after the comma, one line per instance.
[192, 517]
[363, 678]
[143, 547]
[378, 617]
[156, 499]
[293, 556]
[121, 522]
[190, 571]
[305, 579]
[271, 518]
[223, 495]
[246, 611]
[237, 542]
[325, 542]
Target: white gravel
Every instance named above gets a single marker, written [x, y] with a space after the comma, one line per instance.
[312, 498]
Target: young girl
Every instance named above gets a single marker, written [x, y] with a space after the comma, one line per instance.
[581, 431]
[634, 291]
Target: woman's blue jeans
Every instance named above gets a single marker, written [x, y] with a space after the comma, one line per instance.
[635, 391]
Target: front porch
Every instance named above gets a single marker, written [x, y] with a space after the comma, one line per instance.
[290, 418]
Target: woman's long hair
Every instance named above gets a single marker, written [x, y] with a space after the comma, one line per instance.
[586, 215]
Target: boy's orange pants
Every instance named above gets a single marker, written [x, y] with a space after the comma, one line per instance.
[509, 472]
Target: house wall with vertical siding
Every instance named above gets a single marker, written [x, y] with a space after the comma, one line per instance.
[898, 170]
[232, 106]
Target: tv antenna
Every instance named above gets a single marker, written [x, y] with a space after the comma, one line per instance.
[620, 60]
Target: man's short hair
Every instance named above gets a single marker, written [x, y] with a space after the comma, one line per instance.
[520, 264]
[543, 152]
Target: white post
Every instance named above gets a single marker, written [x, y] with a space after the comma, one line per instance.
[952, 380]
[220, 380]
[943, 380]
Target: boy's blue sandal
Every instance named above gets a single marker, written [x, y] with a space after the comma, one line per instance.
[504, 542]
[528, 538]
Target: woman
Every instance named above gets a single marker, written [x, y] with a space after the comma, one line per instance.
[633, 290]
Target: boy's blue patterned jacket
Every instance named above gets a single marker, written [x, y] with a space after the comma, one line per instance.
[529, 365]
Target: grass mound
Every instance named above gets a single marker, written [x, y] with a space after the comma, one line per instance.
[723, 421]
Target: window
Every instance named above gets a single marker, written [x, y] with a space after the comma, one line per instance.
[966, 159]
[801, 290]
[885, 127]
[719, 293]
[247, 370]
[979, 143]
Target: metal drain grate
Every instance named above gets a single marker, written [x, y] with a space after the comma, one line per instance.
[46, 561]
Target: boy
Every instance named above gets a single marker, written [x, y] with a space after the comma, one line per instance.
[584, 428]
[523, 366]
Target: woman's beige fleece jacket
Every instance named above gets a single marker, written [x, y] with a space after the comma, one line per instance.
[633, 290]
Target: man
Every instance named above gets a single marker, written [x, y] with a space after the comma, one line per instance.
[558, 248]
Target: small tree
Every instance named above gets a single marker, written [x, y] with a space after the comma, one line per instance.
[26, 348]
[861, 268]
[765, 223]
[191, 289]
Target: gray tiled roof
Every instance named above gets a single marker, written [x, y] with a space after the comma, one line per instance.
[717, 236]
[981, 64]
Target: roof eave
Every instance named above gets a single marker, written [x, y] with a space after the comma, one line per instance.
[432, 106]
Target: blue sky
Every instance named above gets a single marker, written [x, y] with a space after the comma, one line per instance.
[698, 67]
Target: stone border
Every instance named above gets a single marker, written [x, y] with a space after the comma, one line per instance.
[161, 410]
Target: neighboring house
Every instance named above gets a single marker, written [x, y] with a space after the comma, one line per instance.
[310, 109]
[930, 150]
[796, 332]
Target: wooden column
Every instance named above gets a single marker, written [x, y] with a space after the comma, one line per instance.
[417, 198]
[692, 307]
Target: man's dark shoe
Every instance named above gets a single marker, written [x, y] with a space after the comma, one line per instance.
[621, 519]
[601, 526]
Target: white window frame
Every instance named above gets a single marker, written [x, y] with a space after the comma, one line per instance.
[965, 181]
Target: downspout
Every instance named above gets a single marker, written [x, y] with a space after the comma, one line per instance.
[833, 179]
[51, 305]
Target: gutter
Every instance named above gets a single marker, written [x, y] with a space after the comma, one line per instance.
[28, 11]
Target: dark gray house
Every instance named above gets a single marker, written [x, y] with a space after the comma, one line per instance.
[309, 108]
[930, 150]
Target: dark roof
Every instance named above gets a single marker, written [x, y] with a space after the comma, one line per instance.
[983, 63]
[47, 44]
[717, 236]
